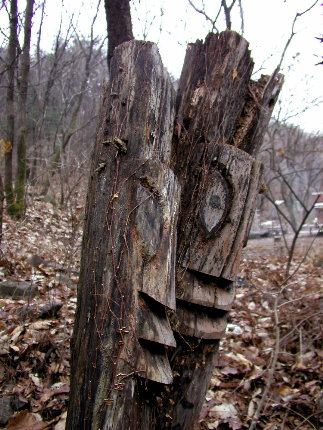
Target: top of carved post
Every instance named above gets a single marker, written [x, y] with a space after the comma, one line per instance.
[217, 101]
[215, 77]
[139, 93]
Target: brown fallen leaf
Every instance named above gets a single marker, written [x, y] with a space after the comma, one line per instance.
[61, 423]
[25, 420]
[226, 413]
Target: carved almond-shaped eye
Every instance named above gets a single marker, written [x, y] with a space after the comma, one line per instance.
[216, 204]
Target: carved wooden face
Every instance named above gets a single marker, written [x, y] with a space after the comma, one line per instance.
[228, 196]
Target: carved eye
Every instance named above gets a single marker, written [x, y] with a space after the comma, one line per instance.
[216, 204]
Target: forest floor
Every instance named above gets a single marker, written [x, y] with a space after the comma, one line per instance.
[270, 364]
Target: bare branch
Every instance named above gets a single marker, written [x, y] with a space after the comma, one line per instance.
[227, 12]
[241, 17]
[298, 14]
[202, 12]
[271, 199]
[303, 221]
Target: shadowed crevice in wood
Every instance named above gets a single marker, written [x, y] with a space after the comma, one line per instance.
[153, 363]
[153, 324]
[256, 113]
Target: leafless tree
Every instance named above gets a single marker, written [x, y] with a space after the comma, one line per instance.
[294, 170]
[87, 53]
[23, 83]
[11, 66]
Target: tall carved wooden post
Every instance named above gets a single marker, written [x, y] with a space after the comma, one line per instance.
[127, 278]
[151, 310]
[220, 119]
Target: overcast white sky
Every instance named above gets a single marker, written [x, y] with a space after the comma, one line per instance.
[267, 27]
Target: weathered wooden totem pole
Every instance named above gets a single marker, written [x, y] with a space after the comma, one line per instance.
[171, 197]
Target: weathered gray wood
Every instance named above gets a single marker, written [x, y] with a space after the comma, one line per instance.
[213, 87]
[200, 321]
[152, 363]
[127, 277]
[219, 120]
[156, 218]
[139, 95]
[150, 310]
[204, 290]
[154, 325]
[248, 210]
[226, 192]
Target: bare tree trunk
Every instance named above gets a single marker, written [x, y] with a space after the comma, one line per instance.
[22, 113]
[227, 12]
[119, 24]
[40, 121]
[151, 309]
[57, 60]
[1, 208]
[13, 48]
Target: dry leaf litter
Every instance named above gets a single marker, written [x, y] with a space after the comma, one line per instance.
[38, 278]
